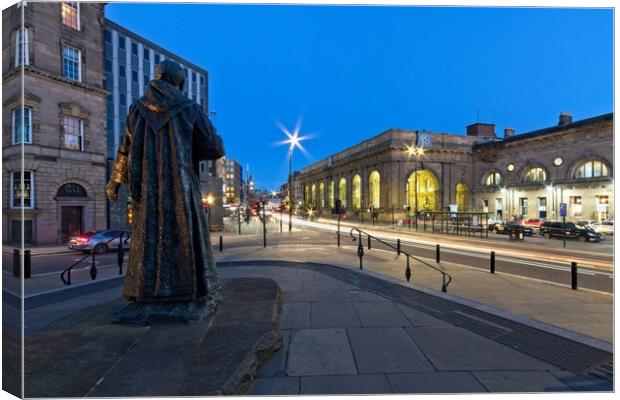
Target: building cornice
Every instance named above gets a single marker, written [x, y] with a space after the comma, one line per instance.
[29, 69]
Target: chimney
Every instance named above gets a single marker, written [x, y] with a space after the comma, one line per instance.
[565, 118]
[509, 132]
[480, 129]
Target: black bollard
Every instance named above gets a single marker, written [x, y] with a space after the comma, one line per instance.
[93, 267]
[16, 262]
[221, 244]
[408, 271]
[573, 275]
[360, 249]
[437, 257]
[492, 262]
[369, 246]
[27, 264]
[398, 246]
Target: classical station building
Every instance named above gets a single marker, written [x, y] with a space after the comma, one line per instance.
[523, 175]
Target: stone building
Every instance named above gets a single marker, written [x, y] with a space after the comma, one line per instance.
[233, 182]
[58, 55]
[129, 64]
[523, 176]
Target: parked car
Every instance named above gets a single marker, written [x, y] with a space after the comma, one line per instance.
[99, 241]
[506, 227]
[533, 222]
[570, 230]
[605, 227]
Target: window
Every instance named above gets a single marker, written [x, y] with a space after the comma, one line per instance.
[493, 178]
[523, 205]
[146, 54]
[535, 174]
[18, 192]
[156, 59]
[591, 169]
[107, 65]
[107, 36]
[122, 98]
[134, 48]
[356, 191]
[374, 189]
[342, 191]
[73, 129]
[575, 206]
[121, 42]
[71, 63]
[22, 131]
[202, 79]
[134, 76]
[70, 11]
[146, 80]
[21, 47]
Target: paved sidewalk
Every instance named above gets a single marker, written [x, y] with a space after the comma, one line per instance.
[585, 312]
[342, 339]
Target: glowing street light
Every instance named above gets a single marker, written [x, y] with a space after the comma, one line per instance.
[294, 142]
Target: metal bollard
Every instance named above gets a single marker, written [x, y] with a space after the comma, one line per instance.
[93, 267]
[573, 275]
[408, 271]
[221, 243]
[398, 246]
[360, 249]
[120, 256]
[437, 256]
[369, 246]
[16, 262]
[27, 264]
[492, 262]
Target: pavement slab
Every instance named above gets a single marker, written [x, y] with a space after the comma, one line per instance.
[520, 381]
[435, 382]
[456, 349]
[280, 386]
[334, 358]
[386, 350]
[581, 383]
[295, 316]
[346, 384]
[418, 318]
[380, 314]
[333, 315]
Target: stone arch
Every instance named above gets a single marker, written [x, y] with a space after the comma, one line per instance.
[527, 168]
[342, 191]
[356, 192]
[574, 167]
[462, 196]
[488, 178]
[427, 193]
[374, 189]
[321, 203]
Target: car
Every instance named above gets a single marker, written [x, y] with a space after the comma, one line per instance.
[506, 227]
[99, 241]
[569, 230]
[605, 227]
[493, 221]
[533, 222]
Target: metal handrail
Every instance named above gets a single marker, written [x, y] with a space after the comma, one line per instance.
[360, 254]
[93, 268]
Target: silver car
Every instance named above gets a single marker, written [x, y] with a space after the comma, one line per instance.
[99, 241]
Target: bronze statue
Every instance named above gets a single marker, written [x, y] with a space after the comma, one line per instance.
[171, 271]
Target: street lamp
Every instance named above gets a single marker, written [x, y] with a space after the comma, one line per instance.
[209, 203]
[293, 141]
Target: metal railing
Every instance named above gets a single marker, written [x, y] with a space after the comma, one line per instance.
[408, 272]
[65, 276]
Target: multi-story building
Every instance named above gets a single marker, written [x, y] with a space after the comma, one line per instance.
[57, 53]
[129, 64]
[233, 182]
[524, 176]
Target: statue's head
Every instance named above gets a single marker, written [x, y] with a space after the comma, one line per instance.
[170, 72]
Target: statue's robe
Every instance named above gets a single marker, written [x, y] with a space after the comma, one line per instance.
[170, 256]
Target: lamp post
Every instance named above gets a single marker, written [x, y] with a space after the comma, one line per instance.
[293, 141]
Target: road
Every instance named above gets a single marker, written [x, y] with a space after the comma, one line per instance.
[535, 258]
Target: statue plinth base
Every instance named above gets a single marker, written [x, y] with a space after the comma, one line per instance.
[146, 313]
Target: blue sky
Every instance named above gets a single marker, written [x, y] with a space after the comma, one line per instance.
[353, 72]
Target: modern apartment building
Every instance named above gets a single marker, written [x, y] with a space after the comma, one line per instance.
[56, 51]
[129, 64]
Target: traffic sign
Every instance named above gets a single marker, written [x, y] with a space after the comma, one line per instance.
[562, 209]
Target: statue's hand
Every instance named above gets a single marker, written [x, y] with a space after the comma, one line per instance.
[112, 190]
